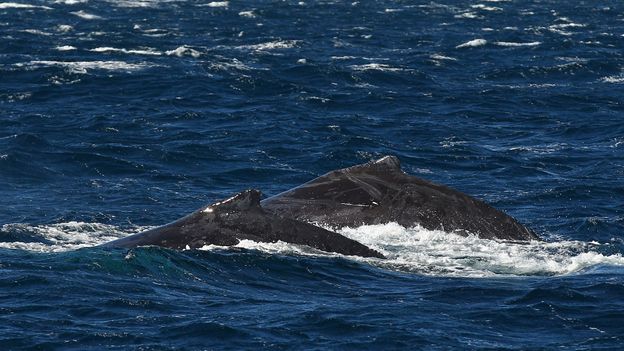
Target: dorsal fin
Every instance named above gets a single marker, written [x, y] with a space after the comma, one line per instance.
[387, 163]
[242, 201]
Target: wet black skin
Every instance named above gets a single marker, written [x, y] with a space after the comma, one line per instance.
[380, 192]
[241, 217]
[372, 193]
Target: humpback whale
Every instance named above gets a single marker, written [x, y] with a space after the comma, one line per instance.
[376, 192]
[241, 217]
[380, 192]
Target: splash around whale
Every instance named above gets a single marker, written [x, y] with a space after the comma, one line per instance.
[376, 192]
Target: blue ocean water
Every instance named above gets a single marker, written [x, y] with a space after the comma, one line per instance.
[120, 115]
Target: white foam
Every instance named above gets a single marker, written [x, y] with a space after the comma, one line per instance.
[135, 3]
[442, 57]
[472, 43]
[183, 51]
[85, 15]
[248, 14]
[36, 32]
[429, 252]
[64, 28]
[228, 64]
[66, 236]
[470, 15]
[271, 45]
[15, 5]
[70, 2]
[513, 44]
[568, 25]
[147, 51]
[486, 8]
[544, 149]
[65, 48]
[438, 253]
[433, 252]
[281, 247]
[217, 4]
[343, 57]
[613, 79]
[82, 67]
[377, 67]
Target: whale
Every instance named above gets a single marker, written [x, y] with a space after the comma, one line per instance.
[241, 217]
[379, 192]
[376, 192]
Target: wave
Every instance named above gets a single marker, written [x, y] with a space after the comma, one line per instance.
[513, 44]
[147, 51]
[442, 57]
[377, 67]
[435, 252]
[61, 236]
[486, 8]
[85, 15]
[70, 2]
[248, 14]
[613, 79]
[472, 43]
[15, 5]
[271, 45]
[414, 250]
[65, 48]
[216, 4]
[82, 67]
[182, 51]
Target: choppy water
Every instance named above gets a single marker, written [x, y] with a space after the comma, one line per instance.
[116, 116]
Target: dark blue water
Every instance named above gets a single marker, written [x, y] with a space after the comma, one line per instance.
[121, 115]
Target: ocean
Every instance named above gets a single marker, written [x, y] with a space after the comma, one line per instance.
[121, 115]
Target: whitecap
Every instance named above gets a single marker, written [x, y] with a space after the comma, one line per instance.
[65, 48]
[442, 57]
[486, 8]
[64, 28]
[613, 79]
[147, 51]
[15, 5]
[271, 45]
[472, 43]
[228, 64]
[248, 14]
[470, 15]
[135, 3]
[70, 2]
[85, 15]
[35, 32]
[217, 4]
[377, 67]
[66, 236]
[512, 44]
[183, 51]
[343, 57]
[82, 67]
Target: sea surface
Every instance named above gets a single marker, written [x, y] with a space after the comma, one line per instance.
[117, 116]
